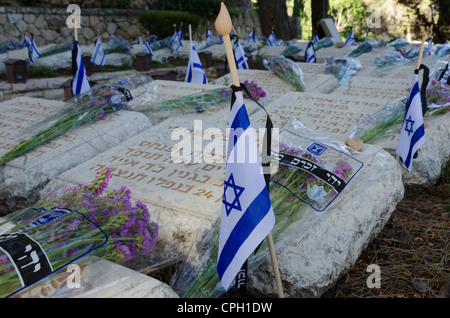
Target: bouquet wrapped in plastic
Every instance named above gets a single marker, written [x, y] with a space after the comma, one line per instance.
[392, 59]
[324, 42]
[442, 49]
[83, 109]
[287, 70]
[397, 43]
[73, 223]
[362, 48]
[342, 68]
[390, 118]
[312, 172]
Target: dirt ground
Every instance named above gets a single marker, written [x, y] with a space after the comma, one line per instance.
[412, 250]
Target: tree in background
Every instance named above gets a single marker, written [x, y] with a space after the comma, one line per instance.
[273, 14]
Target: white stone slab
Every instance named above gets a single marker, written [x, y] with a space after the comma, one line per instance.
[330, 31]
[313, 252]
[22, 178]
[276, 87]
[182, 197]
[377, 88]
[98, 279]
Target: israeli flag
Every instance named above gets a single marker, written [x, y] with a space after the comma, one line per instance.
[140, 40]
[33, 52]
[315, 39]
[99, 56]
[25, 41]
[80, 82]
[195, 72]
[367, 35]
[251, 36]
[272, 41]
[350, 41]
[412, 135]
[147, 49]
[208, 34]
[180, 34]
[310, 56]
[427, 50]
[175, 42]
[241, 57]
[247, 215]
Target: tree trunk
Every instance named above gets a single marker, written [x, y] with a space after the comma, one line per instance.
[273, 14]
[319, 10]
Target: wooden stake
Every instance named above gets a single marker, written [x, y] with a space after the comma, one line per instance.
[223, 27]
[190, 36]
[75, 23]
[419, 59]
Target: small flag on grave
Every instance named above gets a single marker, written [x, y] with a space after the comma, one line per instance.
[315, 39]
[251, 36]
[33, 52]
[175, 42]
[247, 215]
[140, 40]
[241, 57]
[412, 134]
[195, 72]
[80, 82]
[310, 55]
[99, 56]
[367, 35]
[350, 41]
[209, 34]
[180, 33]
[427, 50]
[26, 40]
[147, 48]
[272, 41]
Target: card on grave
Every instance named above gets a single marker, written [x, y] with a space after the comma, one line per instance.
[23, 177]
[176, 168]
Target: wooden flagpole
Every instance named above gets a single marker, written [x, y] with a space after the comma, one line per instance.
[190, 36]
[419, 58]
[75, 23]
[223, 27]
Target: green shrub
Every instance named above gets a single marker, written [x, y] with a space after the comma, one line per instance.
[161, 22]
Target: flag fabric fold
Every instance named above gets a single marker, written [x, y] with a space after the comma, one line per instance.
[247, 215]
[427, 50]
[180, 34]
[209, 34]
[80, 82]
[412, 134]
[33, 52]
[367, 35]
[98, 57]
[310, 54]
[147, 48]
[195, 72]
[241, 57]
[315, 39]
[350, 41]
[140, 40]
[272, 41]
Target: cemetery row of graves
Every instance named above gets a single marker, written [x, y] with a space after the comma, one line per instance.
[122, 181]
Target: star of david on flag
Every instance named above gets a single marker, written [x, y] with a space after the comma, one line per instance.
[175, 42]
[247, 215]
[412, 135]
[241, 57]
[33, 52]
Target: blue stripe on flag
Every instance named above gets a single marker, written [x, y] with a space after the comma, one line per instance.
[419, 133]
[241, 119]
[255, 212]
[415, 90]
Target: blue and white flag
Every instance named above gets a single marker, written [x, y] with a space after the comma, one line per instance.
[427, 50]
[33, 52]
[175, 42]
[147, 48]
[367, 35]
[350, 41]
[180, 34]
[25, 41]
[208, 34]
[140, 40]
[241, 57]
[247, 215]
[412, 134]
[99, 56]
[315, 39]
[310, 54]
[195, 72]
[80, 82]
[251, 36]
[272, 41]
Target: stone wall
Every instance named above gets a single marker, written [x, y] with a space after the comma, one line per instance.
[49, 24]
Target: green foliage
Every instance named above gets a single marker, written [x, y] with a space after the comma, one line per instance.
[41, 71]
[205, 8]
[161, 22]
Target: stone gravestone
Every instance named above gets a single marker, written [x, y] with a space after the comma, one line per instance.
[98, 279]
[276, 87]
[183, 190]
[23, 177]
[314, 252]
[372, 87]
[330, 31]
